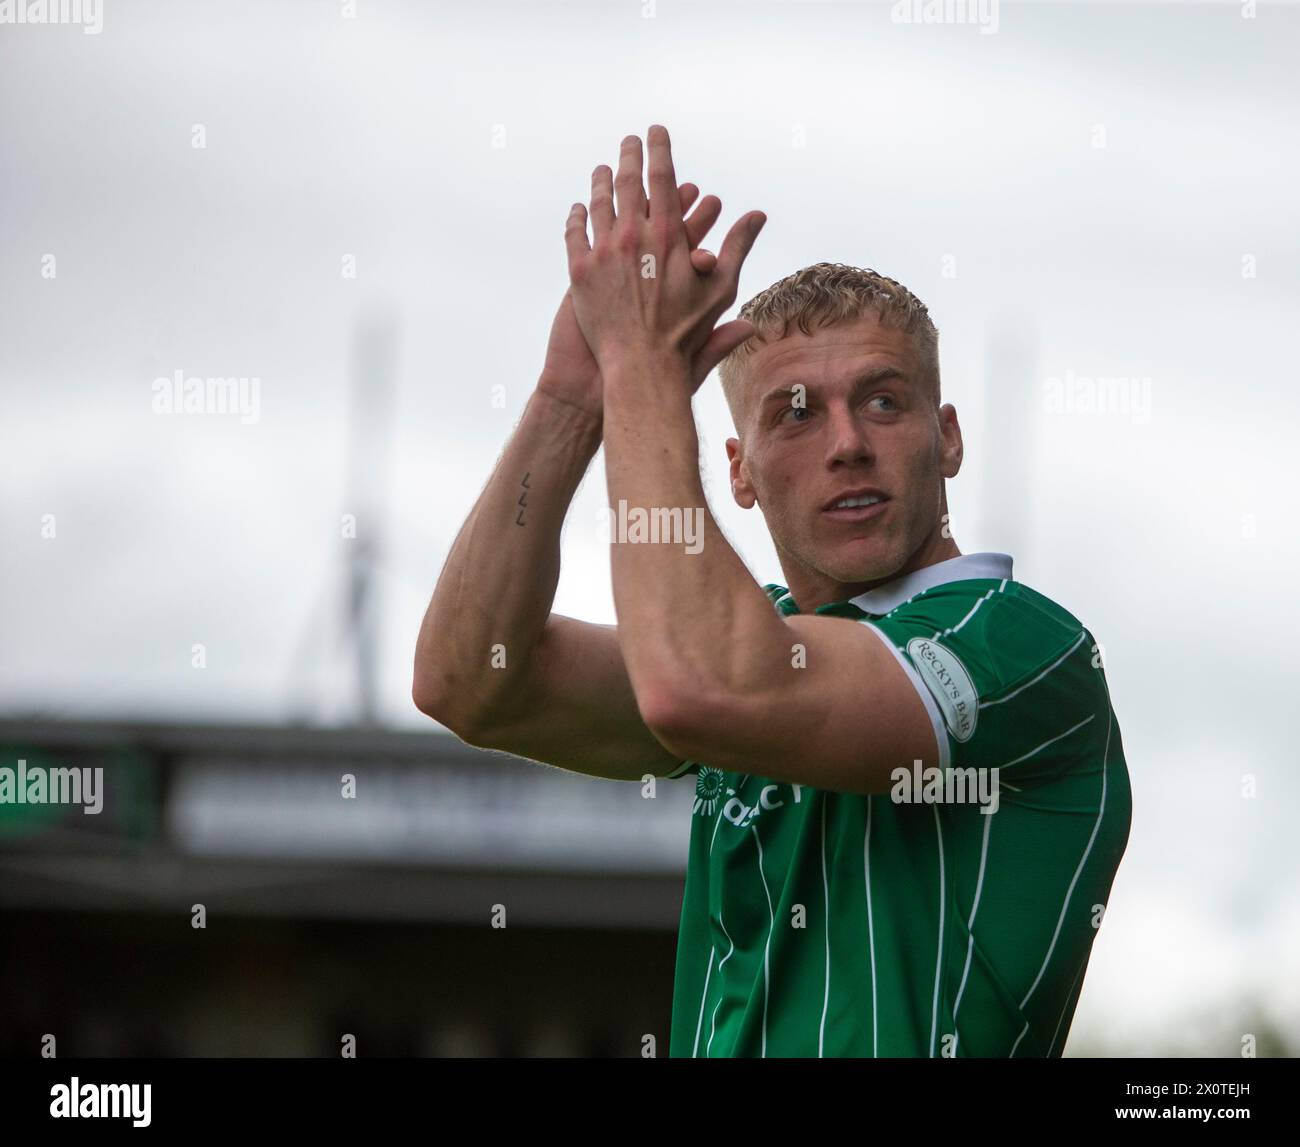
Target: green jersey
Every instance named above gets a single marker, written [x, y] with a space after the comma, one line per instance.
[918, 922]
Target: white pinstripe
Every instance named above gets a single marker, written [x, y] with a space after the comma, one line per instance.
[704, 997]
[826, 900]
[1052, 741]
[957, 628]
[938, 960]
[970, 931]
[771, 925]
[871, 930]
[713, 1019]
[1044, 673]
[1082, 964]
[1101, 811]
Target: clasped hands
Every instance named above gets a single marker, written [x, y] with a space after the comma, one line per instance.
[640, 288]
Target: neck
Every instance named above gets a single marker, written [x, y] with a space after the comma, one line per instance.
[812, 589]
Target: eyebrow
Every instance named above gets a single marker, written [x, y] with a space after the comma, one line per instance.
[867, 378]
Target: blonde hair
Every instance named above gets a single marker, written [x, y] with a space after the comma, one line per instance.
[821, 295]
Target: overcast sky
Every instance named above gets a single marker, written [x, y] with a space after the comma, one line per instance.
[1085, 191]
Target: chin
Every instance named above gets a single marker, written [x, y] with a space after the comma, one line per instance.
[865, 559]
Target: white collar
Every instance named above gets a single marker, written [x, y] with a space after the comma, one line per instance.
[964, 567]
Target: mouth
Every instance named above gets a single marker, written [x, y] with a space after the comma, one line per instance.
[856, 505]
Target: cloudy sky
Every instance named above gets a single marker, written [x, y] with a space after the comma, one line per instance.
[258, 190]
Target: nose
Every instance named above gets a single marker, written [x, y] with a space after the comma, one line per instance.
[848, 441]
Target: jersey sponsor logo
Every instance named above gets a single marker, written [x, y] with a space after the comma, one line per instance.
[708, 790]
[947, 679]
[711, 789]
[742, 815]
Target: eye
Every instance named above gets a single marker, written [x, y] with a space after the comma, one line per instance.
[890, 404]
[785, 414]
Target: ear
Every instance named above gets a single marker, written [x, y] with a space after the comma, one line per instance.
[741, 489]
[951, 450]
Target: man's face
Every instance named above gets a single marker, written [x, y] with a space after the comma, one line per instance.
[866, 424]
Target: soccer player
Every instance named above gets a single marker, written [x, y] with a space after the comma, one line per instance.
[911, 792]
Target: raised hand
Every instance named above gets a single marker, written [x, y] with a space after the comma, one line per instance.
[634, 286]
[571, 372]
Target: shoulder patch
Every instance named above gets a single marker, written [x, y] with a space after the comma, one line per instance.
[947, 678]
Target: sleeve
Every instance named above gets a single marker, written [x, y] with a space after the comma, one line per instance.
[682, 769]
[1022, 695]
[927, 698]
[1011, 687]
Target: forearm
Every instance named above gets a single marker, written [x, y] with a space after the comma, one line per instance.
[494, 596]
[724, 642]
